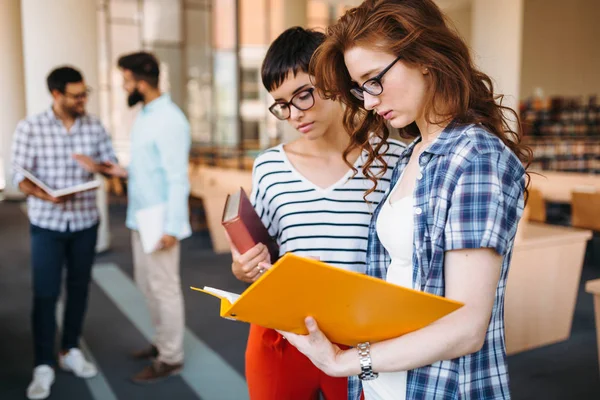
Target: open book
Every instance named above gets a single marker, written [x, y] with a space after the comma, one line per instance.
[82, 187]
[350, 307]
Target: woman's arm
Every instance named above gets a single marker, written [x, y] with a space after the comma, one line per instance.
[245, 267]
[471, 277]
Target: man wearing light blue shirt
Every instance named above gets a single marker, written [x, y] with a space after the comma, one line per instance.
[158, 177]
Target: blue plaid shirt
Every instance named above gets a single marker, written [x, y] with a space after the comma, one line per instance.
[469, 194]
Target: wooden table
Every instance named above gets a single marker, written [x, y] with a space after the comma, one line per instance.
[593, 287]
[542, 285]
[557, 186]
[212, 185]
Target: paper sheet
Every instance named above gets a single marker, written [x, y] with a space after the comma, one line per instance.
[151, 226]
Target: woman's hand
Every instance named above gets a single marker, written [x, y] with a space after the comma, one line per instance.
[319, 350]
[248, 267]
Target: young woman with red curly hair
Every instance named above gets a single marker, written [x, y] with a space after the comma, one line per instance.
[448, 224]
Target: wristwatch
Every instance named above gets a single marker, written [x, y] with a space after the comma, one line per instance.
[366, 365]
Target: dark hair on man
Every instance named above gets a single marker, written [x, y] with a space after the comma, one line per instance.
[143, 66]
[61, 76]
[290, 52]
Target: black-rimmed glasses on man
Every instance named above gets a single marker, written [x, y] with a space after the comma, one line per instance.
[79, 96]
[372, 86]
[303, 101]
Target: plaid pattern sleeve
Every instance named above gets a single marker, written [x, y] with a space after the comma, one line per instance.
[469, 194]
[106, 151]
[478, 216]
[23, 150]
[43, 146]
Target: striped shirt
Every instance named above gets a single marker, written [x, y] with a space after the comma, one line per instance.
[331, 223]
[468, 195]
[43, 146]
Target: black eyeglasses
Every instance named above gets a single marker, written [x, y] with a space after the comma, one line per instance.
[303, 101]
[372, 86]
[79, 96]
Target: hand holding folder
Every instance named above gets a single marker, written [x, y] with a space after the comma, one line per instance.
[350, 308]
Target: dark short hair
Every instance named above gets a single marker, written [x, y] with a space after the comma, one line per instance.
[61, 76]
[143, 66]
[290, 52]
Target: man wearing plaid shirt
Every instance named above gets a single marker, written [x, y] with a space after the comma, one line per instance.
[63, 230]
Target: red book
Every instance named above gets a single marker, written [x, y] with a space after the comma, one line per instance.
[244, 226]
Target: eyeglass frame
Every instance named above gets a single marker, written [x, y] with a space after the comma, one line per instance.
[377, 78]
[79, 96]
[290, 103]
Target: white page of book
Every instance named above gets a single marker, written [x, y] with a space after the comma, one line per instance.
[232, 297]
[82, 187]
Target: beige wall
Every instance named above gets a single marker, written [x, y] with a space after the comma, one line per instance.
[461, 18]
[497, 45]
[254, 26]
[561, 47]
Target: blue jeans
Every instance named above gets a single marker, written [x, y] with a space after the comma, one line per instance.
[50, 252]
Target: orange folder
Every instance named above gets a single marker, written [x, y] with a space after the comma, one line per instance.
[349, 307]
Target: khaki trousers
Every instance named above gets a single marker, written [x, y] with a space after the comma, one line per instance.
[157, 276]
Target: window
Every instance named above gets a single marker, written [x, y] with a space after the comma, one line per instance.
[250, 84]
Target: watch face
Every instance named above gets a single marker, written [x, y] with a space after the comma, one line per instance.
[368, 376]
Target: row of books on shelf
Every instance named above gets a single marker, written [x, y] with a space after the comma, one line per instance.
[584, 165]
[561, 116]
[561, 147]
[567, 155]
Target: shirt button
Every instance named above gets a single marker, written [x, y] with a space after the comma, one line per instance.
[418, 211]
[420, 176]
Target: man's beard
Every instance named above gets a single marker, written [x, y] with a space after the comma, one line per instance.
[134, 98]
[74, 112]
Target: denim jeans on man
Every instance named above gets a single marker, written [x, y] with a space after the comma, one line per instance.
[51, 251]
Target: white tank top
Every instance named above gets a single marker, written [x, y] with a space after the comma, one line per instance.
[395, 227]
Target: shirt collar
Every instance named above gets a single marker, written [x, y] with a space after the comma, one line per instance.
[443, 144]
[440, 146]
[53, 118]
[157, 103]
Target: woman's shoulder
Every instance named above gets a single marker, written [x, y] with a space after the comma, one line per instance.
[471, 144]
[268, 161]
[271, 156]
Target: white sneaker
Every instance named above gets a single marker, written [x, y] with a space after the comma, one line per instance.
[43, 378]
[74, 362]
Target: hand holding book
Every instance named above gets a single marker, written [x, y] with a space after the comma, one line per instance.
[350, 307]
[31, 189]
[106, 168]
[248, 267]
[32, 185]
[245, 230]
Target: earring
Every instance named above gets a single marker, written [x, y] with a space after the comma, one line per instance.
[425, 71]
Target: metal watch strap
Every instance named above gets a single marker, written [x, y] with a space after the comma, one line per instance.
[366, 365]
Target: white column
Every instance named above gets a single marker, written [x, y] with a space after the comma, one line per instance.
[497, 36]
[12, 95]
[284, 15]
[59, 32]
